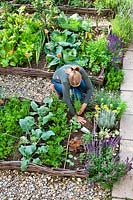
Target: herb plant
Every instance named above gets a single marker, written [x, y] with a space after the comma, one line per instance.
[97, 54]
[111, 99]
[102, 162]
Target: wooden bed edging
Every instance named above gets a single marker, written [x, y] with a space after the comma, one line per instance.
[71, 10]
[88, 11]
[15, 165]
[38, 73]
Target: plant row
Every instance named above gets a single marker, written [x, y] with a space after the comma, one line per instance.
[62, 40]
[31, 132]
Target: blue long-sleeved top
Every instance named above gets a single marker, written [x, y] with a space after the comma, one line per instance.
[61, 76]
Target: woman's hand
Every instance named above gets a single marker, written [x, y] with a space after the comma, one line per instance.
[82, 109]
[81, 120]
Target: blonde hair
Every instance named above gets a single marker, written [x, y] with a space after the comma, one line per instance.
[74, 76]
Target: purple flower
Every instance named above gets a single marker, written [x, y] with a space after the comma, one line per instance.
[116, 50]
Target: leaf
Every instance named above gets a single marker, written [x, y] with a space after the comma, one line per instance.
[46, 135]
[37, 133]
[24, 164]
[37, 161]
[42, 149]
[34, 106]
[43, 110]
[27, 151]
[27, 123]
[48, 101]
[46, 118]
[69, 55]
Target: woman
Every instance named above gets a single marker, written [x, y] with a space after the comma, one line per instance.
[72, 81]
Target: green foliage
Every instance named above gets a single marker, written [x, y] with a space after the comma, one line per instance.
[81, 3]
[46, 11]
[21, 38]
[122, 27]
[102, 163]
[62, 49]
[74, 23]
[106, 117]
[45, 133]
[10, 113]
[113, 79]
[117, 6]
[111, 99]
[77, 104]
[97, 54]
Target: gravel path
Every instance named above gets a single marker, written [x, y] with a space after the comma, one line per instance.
[16, 185]
[30, 186]
[32, 88]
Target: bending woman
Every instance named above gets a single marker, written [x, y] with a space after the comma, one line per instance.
[72, 81]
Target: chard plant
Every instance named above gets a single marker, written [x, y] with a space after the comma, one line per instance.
[21, 38]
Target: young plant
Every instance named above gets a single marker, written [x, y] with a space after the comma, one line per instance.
[113, 79]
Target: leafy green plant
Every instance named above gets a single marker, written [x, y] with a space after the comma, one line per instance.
[62, 49]
[74, 23]
[10, 113]
[117, 6]
[21, 38]
[77, 104]
[46, 121]
[81, 3]
[113, 79]
[97, 54]
[33, 143]
[46, 11]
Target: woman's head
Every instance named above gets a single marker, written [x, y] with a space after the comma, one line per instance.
[74, 76]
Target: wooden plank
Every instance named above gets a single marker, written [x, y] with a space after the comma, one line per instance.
[70, 10]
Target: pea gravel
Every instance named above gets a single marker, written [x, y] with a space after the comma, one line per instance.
[16, 185]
